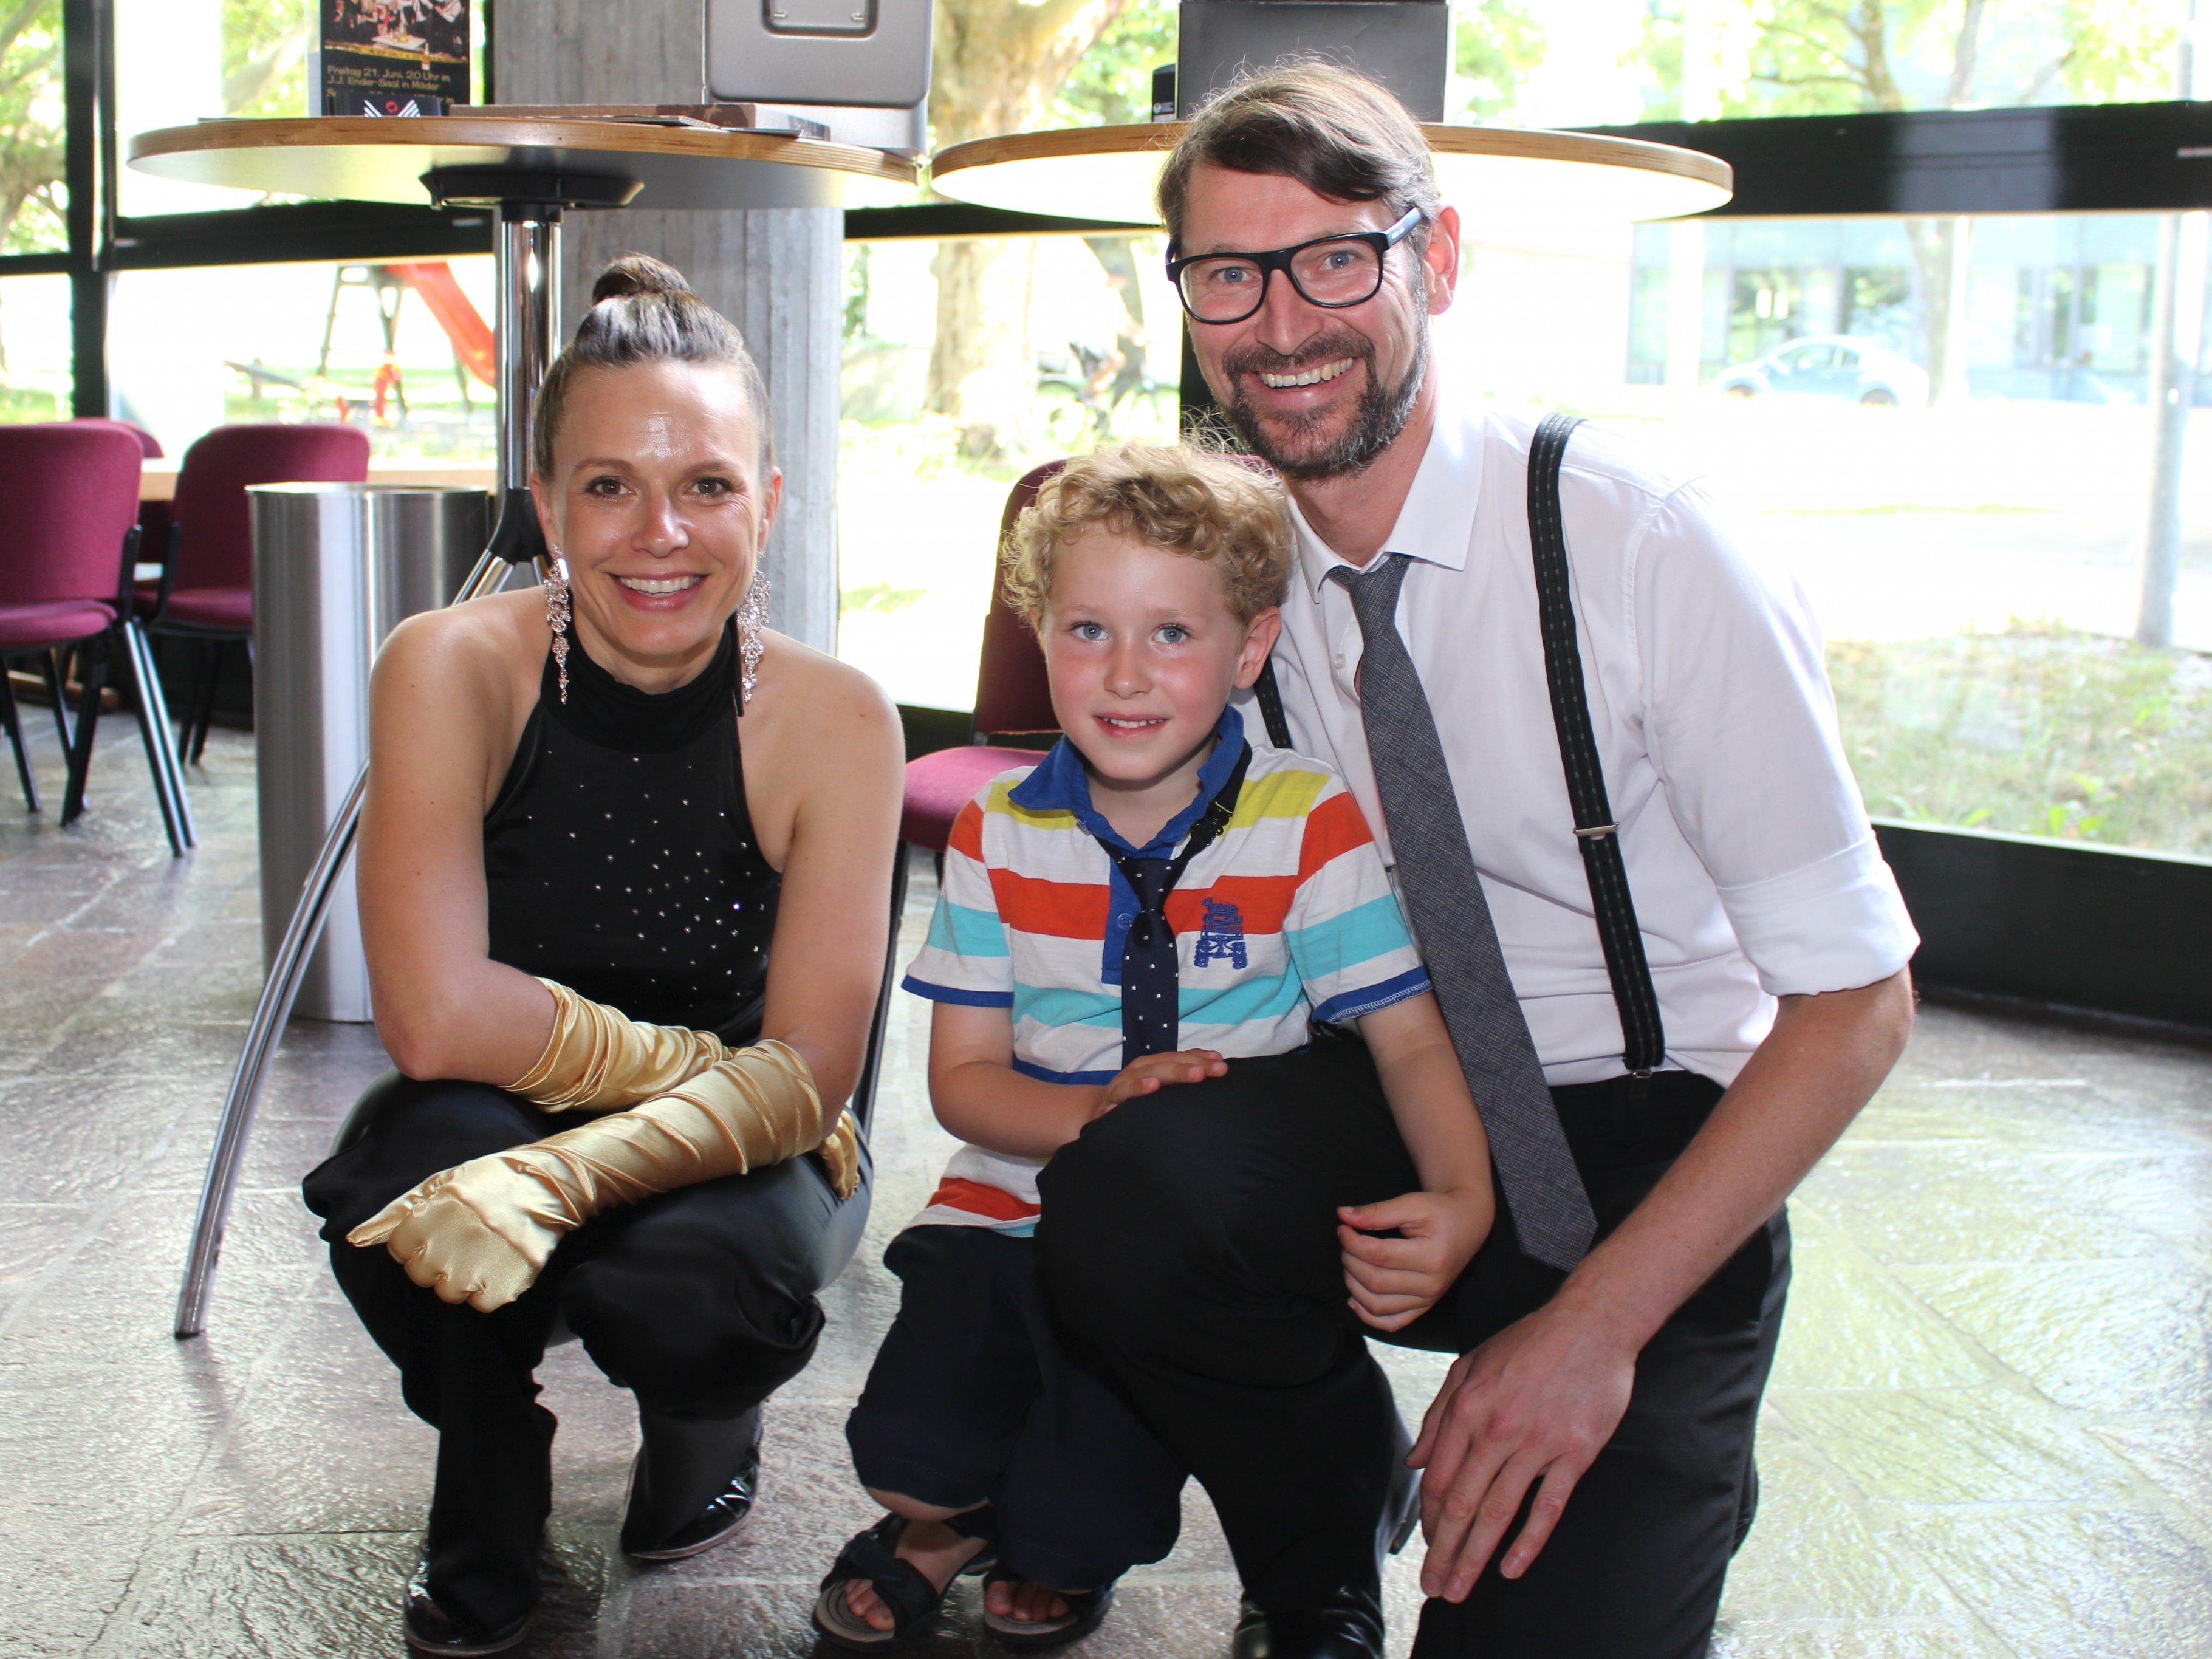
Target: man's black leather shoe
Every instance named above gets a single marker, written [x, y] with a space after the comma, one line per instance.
[1345, 1625]
[664, 1522]
[435, 1628]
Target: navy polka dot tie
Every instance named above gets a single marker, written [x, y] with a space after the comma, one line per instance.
[1150, 986]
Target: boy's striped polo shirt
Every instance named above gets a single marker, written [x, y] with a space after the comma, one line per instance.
[1286, 918]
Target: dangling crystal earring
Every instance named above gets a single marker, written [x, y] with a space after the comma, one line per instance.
[752, 616]
[556, 617]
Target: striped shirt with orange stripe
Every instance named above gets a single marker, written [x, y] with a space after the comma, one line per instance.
[1286, 918]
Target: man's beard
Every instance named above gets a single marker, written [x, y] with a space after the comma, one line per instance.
[1375, 424]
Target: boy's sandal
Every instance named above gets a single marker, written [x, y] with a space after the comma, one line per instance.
[872, 1558]
[1086, 1611]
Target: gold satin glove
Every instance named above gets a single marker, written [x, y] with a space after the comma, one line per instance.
[600, 1059]
[481, 1232]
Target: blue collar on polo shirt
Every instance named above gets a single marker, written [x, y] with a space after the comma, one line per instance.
[1437, 522]
[1061, 785]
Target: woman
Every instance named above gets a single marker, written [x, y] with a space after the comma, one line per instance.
[626, 786]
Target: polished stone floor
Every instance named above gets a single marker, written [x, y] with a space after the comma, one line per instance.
[1990, 1430]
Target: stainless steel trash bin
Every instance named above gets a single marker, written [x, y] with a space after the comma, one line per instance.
[335, 567]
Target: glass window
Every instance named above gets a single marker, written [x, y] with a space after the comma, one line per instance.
[1583, 63]
[1940, 429]
[35, 376]
[965, 364]
[178, 60]
[33, 199]
[404, 349]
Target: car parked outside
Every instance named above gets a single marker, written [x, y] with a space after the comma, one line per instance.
[1862, 371]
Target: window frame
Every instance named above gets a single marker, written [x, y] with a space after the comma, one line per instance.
[2049, 923]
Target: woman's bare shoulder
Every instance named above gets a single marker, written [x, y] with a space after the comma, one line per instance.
[495, 636]
[822, 693]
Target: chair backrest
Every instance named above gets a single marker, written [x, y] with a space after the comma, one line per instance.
[1012, 695]
[72, 492]
[150, 446]
[214, 546]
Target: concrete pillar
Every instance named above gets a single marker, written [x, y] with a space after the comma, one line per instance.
[777, 275]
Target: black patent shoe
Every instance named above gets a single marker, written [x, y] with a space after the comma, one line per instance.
[433, 1627]
[1348, 1623]
[670, 1516]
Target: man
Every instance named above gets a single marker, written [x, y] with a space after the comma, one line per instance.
[1587, 1465]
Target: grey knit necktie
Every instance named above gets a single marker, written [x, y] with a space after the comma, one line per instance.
[1451, 924]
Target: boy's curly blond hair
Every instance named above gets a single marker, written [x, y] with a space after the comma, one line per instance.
[1173, 497]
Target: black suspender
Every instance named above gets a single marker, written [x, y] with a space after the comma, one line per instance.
[1271, 705]
[1633, 994]
[1644, 1037]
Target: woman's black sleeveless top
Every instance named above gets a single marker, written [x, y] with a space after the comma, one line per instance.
[619, 858]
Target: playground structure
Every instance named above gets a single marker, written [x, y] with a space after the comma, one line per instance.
[474, 351]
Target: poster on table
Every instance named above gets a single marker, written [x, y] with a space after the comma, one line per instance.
[389, 57]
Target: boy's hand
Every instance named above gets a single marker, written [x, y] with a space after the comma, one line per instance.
[1145, 1076]
[1394, 1281]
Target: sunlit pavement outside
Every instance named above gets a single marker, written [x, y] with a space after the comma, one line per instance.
[1989, 1431]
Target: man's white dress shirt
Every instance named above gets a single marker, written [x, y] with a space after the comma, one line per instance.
[1753, 869]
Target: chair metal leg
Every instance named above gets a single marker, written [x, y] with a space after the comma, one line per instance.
[155, 701]
[51, 664]
[872, 1062]
[15, 719]
[203, 715]
[286, 970]
[92, 666]
[153, 731]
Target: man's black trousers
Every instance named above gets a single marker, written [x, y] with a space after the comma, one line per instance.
[1190, 1250]
[700, 1301]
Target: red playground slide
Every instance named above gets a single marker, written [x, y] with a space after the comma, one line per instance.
[470, 335]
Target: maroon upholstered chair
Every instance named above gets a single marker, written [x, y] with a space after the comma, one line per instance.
[66, 552]
[206, 591]
[1011, 700]
[150, 446]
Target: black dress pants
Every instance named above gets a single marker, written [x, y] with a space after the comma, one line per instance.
[1189, 1248]
[700, 1301]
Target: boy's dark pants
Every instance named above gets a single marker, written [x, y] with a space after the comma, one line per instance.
[973, 1399]
[1189, 1248]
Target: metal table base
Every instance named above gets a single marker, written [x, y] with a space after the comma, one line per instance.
[526, 266]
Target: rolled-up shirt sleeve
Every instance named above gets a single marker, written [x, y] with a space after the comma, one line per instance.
[1741, 727]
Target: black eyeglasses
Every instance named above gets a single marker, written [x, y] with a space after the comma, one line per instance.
[1332, 272]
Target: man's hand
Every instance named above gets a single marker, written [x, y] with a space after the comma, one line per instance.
[1394, 1281]
[1536, 1403]
[1146, 1076]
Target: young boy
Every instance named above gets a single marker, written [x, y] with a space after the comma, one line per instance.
[1156, 901]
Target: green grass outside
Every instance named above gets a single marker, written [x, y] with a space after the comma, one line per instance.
[22, 403]
[2038, 731]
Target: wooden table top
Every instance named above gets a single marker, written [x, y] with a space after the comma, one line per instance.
[362, 159]
[1109, 173]
[157, 479]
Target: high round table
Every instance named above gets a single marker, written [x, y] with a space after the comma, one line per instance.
[531, 170]
[1488, 172]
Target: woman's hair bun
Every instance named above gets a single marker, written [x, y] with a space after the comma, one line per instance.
[638, 273]
[661, 321]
